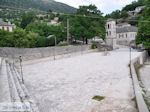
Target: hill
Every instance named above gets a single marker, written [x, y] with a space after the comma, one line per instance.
[42, 5]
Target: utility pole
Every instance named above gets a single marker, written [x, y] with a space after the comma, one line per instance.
[68, 35]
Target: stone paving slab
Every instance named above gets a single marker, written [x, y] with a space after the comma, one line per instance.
[68, 85]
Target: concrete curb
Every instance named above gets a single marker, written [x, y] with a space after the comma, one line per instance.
[142, 107]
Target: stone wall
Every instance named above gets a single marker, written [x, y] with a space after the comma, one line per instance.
[35, 53]
[141, 105]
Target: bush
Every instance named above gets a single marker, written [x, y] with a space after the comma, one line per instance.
[93, 46]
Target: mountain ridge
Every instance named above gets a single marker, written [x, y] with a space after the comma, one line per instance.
[43, 5]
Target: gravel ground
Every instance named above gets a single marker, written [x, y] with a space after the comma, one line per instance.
[68, 84]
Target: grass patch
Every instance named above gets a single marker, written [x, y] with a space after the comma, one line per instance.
[98, 98]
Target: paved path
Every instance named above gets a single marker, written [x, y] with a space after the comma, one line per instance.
[68, 85]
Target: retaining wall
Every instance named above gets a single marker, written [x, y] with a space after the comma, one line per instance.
[142, 107]
[35, 53]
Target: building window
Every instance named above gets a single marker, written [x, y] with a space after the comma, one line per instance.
[108, 26]
[2, 27]
[7, 28]
[126, 35]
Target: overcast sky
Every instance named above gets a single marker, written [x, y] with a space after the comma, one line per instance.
[106, 6]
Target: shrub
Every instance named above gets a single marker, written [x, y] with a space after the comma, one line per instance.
[93, 46]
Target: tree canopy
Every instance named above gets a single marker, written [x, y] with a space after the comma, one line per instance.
[143, 36]
[33, 32]
[133, 5]
[27, 18]
[88, 23]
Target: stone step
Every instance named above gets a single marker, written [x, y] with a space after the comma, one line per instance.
[4, 86]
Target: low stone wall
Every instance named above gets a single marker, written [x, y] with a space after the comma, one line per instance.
[12, 89]
[35, 53]
[142, 107]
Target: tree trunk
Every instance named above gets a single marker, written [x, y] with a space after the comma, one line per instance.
[86, 40]
[148, 52]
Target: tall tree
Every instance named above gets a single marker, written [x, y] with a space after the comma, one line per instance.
[27, 18]
[143, 36]
[88, 23]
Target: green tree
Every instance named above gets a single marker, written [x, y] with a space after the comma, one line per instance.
[116, 14]
[133, 5]
[24, 39]
[27, 18]
[6, 39]
[124, 14]
[45, 30]
[88, 23]
[143, 36]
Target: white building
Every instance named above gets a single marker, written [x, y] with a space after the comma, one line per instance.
[139, 9]
[126, 34]
[136, 11]
[122, 34]
[7, 26]
[55, 21]
[111, 32]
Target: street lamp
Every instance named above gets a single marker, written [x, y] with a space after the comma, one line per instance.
[53, 36]
[130, 55]
[21, 71]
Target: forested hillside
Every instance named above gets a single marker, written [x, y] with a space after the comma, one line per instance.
[43, 5]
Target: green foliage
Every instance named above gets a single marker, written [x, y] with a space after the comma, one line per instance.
[117, 14]
[133, 5]
[87, 27]
[143, 36]
[88, 10]
[40, 41]
[6, 39]
[21, 6]
[34, 33]
[17, 38]
[45, 30]
[23, 39]
[27, 18]
[123, 13]
[98, 98]
[93, 46]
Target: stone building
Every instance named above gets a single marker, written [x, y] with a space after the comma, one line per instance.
[7, 26]
[122, 34]
[126, 34]
[55, 22]
[111, 32]
[136, 11]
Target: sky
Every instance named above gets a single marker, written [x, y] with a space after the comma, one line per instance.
[106, 6]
